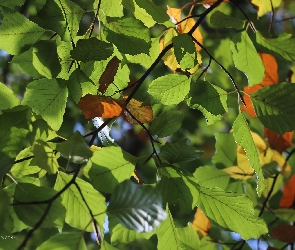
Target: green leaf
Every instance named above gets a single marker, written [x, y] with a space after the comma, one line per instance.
[231, 211]
[61, 16]
[45, 59]
[12, 135]
[120, 234]
[139, 13]
[40, 131]
[129, 36]
[209, 99]
[285, 214]
[4, 207]
[185, 51]
[226, 150]
[91, 50]
[246, 58]
[270, 169]
[167, 234]
[169, 89]
[12, 4]
[25, 62]
[75, 204]
[178, 187]
[136, 207]
[66, 61]
[75, 149]
[7, 97]
[219, 19]
[243, 137]
[17, 32]
[107, 171]
[111, 8]
[211, 177]
[45, 157]
[274, 106]
[24, 168]
[283, 45]
[49, 102]
[62, 241]
[264, 7]
[79, 85]
[31, 213]
[166, 123]
[188, 238]
[158, 13]
[181, 151]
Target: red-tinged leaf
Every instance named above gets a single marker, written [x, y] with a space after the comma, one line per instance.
[284, 233]
[277, 141]
[248, 90]
[142, 113]
[100, 106]
[272, 248]
[288, 197]
[108, 75]
[270, 77]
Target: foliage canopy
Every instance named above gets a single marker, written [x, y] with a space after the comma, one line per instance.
[159, 84]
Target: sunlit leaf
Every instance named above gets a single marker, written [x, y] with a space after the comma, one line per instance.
[246, 58]
[101, 106]
[8, 98]
[111, 8]
[17, 32]
[231, 211]
[75, 204]
[106, 172]
[142, 113]
[137, 207]
[52, 104]
[242, 135]
[188, 237]
[264, 7]
[169, 89]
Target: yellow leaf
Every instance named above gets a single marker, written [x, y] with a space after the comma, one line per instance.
[142, 113]
[240, 173]
[201, 223]
[94, 148]
[264, 6]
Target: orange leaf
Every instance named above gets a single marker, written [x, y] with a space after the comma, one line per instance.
[174, 14]
[277, 141]
[201, 223]
[250, 109]
[100, 106]
[288, 197]
[108, 75]
[270, 77]
[284, 233]
[142, 113]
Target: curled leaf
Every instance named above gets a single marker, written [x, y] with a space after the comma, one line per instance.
[100, 106]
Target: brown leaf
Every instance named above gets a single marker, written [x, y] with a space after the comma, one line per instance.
[100, 106]
[108, 75]
[277, 141]
[284, 233]
[288, 197]
[201, 223]
[142, 113]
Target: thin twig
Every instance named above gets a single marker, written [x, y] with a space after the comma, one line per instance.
[95, 17]
[271, 17]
